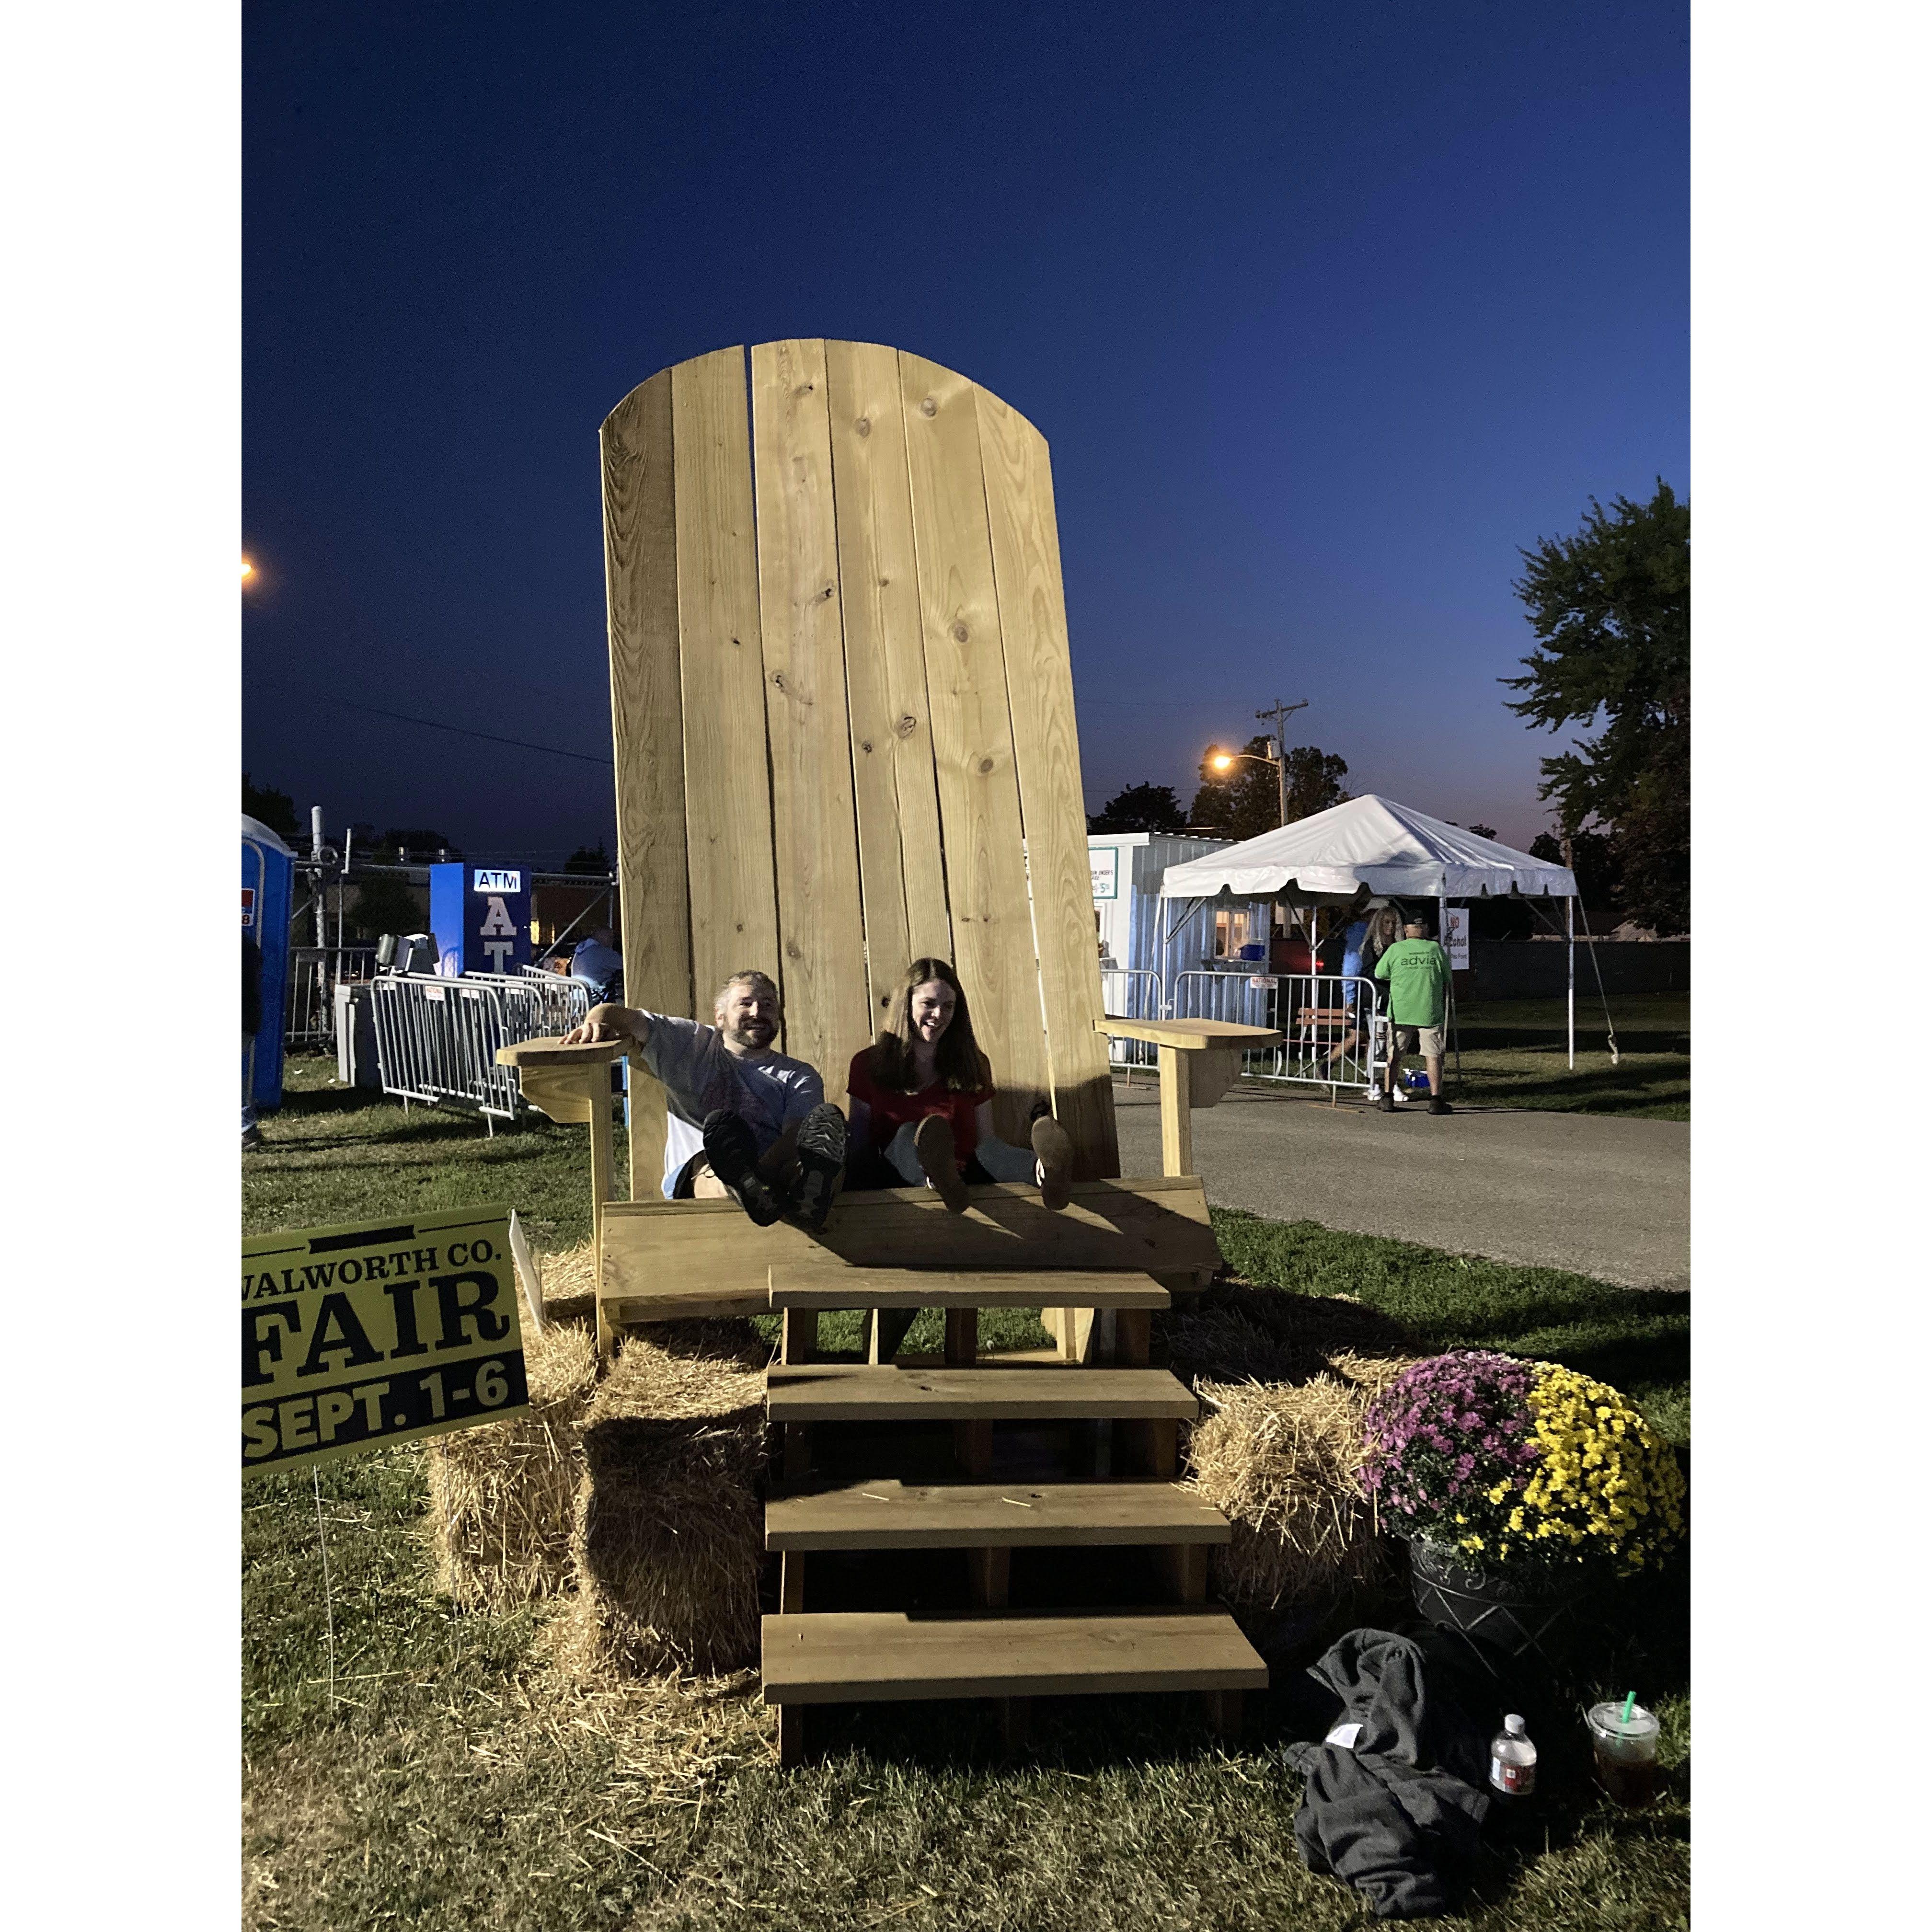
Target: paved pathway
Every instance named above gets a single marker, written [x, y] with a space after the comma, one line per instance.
[1602, 1196]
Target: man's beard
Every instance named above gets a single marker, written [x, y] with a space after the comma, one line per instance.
[751, 1033]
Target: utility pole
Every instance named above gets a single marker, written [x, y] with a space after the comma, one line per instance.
[1280, 714]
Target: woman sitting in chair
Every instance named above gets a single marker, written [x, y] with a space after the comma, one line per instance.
[921, 1110]
[922, 1105]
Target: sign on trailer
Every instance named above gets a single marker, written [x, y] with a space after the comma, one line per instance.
[1104, 861]
[356, 1337]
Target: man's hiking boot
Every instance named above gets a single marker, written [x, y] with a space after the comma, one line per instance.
[1386, 1103]
[1054, 1150]
[932, 1141]
[1437, 1105]
[733, 1156]
[821, 1161]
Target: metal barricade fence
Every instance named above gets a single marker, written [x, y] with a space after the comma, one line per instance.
[308, 1013]
[1131, 993]
[436, 1039]
[1334, 1036]
[558, 1002]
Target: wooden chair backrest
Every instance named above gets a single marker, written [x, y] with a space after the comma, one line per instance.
[843, 716]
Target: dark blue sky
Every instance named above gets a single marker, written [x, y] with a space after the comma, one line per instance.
[1324, 310]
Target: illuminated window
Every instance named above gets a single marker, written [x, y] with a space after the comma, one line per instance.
[1231, 931]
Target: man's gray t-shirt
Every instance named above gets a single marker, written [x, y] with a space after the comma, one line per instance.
[767, 1090]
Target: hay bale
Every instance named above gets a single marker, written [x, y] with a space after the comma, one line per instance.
[570, 1283]
[669, 1536]
[1236, 1333]
[1281, 1461]
[503, 1496]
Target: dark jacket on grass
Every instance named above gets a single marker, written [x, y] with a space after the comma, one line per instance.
[1399, 1815]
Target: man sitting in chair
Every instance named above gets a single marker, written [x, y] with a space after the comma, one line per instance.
[743, 1121]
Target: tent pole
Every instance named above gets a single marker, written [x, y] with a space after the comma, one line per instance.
[1569, 934]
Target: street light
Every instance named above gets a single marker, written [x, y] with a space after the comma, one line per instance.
[247, 570]
[1225, 761]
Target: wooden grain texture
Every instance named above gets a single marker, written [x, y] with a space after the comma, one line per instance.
[727, 798]
[815, 836]
[803, 1286]
[856, 1392]
[1046, 745]
[972, 737]
[1177, 1110]
[902, 869]
[640, 584]
[1193, 1036]
[880, 1656]
[885, 1513]
[701, 1250]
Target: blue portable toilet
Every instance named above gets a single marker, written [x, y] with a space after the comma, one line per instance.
[268, 884]
[480, 917]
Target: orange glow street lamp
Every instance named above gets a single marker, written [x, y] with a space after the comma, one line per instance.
[247, 570]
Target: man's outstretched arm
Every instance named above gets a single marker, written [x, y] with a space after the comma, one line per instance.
[610, 1022]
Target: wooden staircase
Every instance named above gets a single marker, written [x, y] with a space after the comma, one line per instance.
[1067, 1426]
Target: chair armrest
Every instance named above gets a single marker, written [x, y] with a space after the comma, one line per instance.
[553, 1053]
[1191, 1036]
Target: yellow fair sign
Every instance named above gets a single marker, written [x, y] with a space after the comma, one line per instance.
[353, 1338]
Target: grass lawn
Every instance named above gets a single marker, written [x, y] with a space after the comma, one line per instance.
[450, 1777]
[1513, 1055]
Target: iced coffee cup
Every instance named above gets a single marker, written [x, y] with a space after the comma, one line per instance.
[1626, 1753]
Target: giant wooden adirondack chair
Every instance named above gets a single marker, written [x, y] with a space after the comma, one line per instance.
[844, 727]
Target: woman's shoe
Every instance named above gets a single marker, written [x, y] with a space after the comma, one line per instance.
[1054, 1149]
[932, 1141]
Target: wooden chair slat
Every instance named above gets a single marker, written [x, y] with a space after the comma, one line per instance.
[640, 588]
[814, 831]
[972, 735]
[727, 800]
[1046, 745]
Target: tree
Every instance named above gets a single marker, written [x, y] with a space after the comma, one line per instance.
[1246, 801]
[1140, 807]
[594, 862]
[386, 902]
[1595, 857]
[1611, 609]
[1314, 781]
[401, 844]
[1483, 831]
[275, 809]
[1242, 802]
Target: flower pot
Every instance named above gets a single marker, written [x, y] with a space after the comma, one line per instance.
[1500, 1608]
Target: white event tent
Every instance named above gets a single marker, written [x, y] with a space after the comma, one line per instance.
[1372, 847]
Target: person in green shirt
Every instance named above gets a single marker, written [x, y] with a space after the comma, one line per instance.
[1416, 970]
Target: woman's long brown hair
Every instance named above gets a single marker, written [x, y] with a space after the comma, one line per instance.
[963, 1068]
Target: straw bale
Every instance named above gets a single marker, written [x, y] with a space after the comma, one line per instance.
[570, 1283]
[1281, 1461]
[503, 1495]
[669, 1535]
[1236, 1332]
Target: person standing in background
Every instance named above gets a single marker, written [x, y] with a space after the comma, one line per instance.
[1364, 942]
[598, 963]
[1417, 971]
[251, 1025]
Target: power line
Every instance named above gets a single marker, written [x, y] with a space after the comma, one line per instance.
[437, 724]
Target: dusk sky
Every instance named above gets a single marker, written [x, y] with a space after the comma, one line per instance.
[1324, 311]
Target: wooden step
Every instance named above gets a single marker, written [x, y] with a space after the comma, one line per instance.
[801, 1285]
[887, 1514]
[869, 1657]
[849, 1392]
[666, 1260]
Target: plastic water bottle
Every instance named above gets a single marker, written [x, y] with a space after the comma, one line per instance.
[1513, 1760]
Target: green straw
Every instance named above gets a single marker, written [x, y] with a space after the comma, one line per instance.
[1623, 1723]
